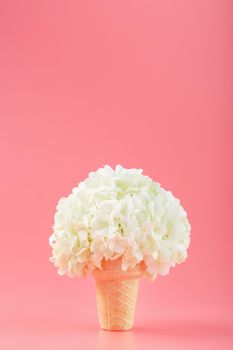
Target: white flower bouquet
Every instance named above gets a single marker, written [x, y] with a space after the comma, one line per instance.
[118, 225]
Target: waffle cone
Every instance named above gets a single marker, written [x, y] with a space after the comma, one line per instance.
[116, 293]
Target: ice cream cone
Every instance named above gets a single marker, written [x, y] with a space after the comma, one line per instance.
[116, 293]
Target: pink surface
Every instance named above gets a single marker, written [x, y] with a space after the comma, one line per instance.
[141, 83]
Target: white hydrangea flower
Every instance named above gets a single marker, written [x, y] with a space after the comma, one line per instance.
[119, 213]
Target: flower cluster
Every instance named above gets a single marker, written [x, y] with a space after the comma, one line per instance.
[119, 213]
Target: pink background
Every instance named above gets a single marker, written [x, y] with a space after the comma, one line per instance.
[142, 83]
